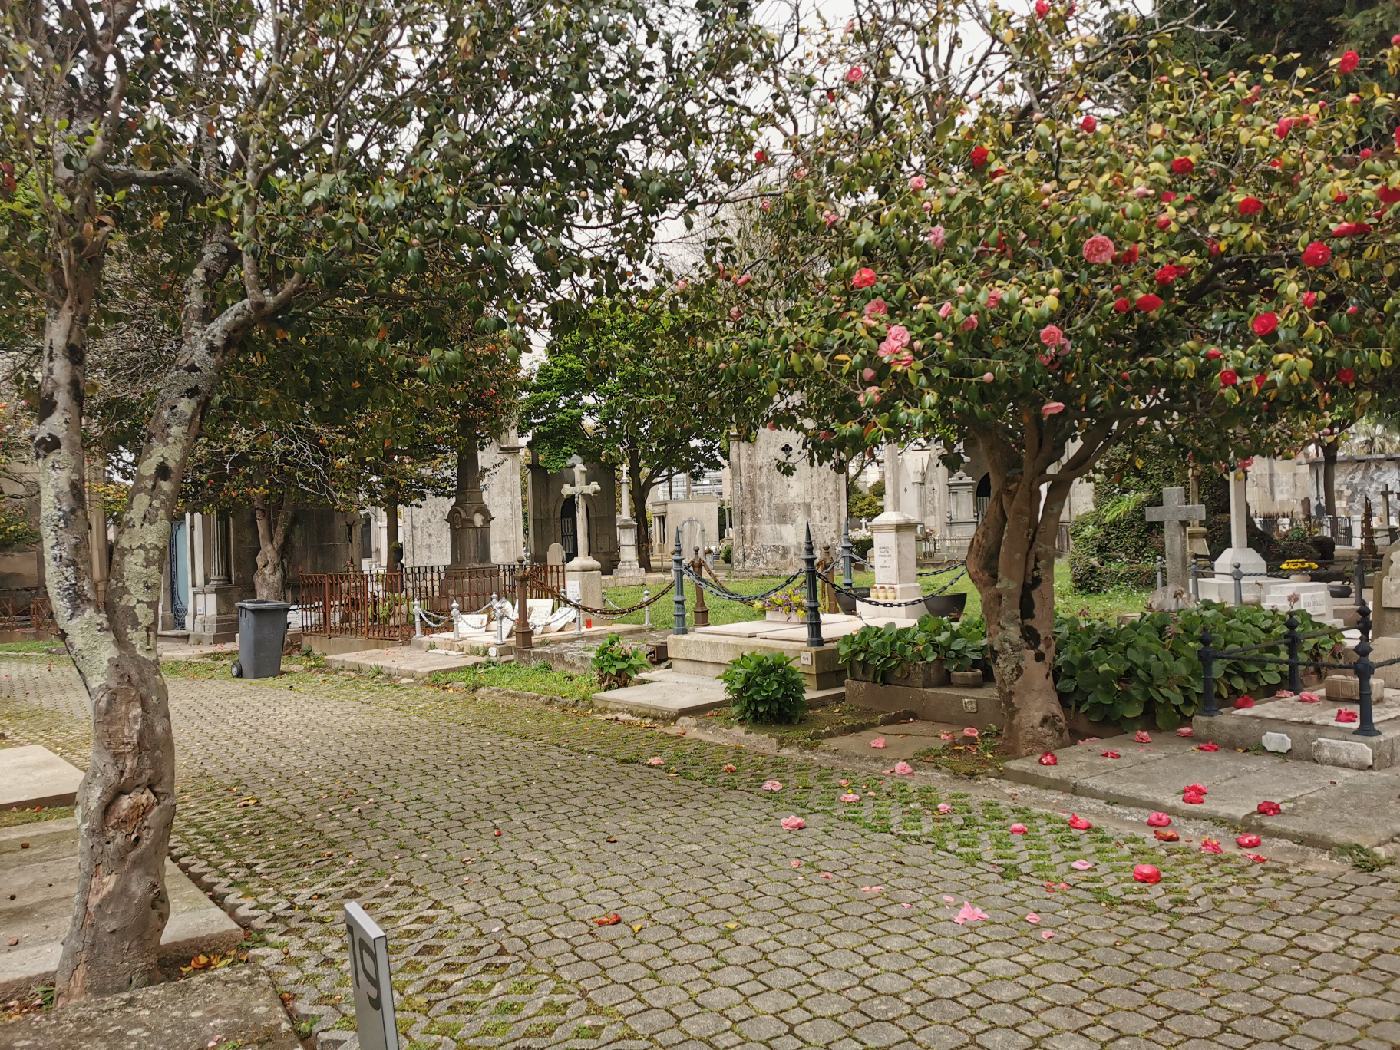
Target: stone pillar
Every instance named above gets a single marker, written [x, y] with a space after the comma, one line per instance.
[627, 564]
[583, 576]
[502, 495]
[469, 519]
[213, 607]
[894, 555]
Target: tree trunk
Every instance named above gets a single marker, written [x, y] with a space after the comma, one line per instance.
[1011, 560]
[1330, 448]
[270, 575]
[640, 490]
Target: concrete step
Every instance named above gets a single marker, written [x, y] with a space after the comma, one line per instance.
[665, 695]
[402, 661]
[1306, 732]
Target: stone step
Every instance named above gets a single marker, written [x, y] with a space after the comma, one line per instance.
[1307, 732]
[402, 661]
[665, 695]
[707, 651]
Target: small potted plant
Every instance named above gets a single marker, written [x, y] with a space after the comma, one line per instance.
[787, 605]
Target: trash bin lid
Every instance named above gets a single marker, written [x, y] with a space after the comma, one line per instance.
[264, 604]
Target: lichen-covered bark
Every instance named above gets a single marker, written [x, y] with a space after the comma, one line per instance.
[274, 529]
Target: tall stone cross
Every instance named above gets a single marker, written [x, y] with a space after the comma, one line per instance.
[1174, 513]
[579, 489]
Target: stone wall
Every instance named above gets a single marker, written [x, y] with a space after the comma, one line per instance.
[771, 510]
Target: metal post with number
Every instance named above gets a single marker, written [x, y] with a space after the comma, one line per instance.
[370, 981]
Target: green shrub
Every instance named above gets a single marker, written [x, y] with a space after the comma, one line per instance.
[1114, 545]
[15, 530]
[616, 664]
[861, 546]
[1148, 672]
[885, 649]
[764, 688]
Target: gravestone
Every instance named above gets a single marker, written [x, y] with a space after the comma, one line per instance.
[1251, 563]
[894, 556]
[1385, 608]
[555, 554]
[583, 569]
[627, 564]
[1174, 513]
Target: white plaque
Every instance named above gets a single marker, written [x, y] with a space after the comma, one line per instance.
[369, 976]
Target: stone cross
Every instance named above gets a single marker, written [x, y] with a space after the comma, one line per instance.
[1174, 513]
[580, 488]
[626, 500]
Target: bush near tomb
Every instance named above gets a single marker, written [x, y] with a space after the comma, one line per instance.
[617, 664]
[764, 688]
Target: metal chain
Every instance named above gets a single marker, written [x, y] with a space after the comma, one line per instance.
[734, 596]
[889, 605]
[607, 614]
[940, 571]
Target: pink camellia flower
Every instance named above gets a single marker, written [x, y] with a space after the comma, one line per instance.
[1033, 919]
[987, 377]
[1158, 820]
[830, 218]
[969, 912]
[937, 236]
[897, 336]
[1210, 846]
[1309, 299]
[1306, 697]
[945, 311]
[1193, 798]
[993, 299]
[1269, 809]
[864, 278]
[656, 760]
[1344, 715]
[793, 823]
[1049, 759]
[848, 797]
[1098, 250]
[1148, 873]
[903, 769]
[1051, 335]
[1018, 829]
[736, 314]
[878, 743]
[971, 732]
[1051, 408]
[872, 395]
[944, 808]
[1317, 254]
[1186, 731]
[969, 323]
[917, 182]
[1196, 789]
[1078, 823]
[867, 374]
[1249, 840]
[946, 736]
[1042, 8]
[771, 785]
[743, 279]
[1142, 736]
[1348, 62]
[794, 863]
[876, 308]
[855, 75]
[1082, 865]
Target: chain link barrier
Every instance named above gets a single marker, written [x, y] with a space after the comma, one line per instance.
[720, 590]
[890, 605]
[605, 614]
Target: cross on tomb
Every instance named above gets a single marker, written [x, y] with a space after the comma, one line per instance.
[579, 489]
[1174, 513]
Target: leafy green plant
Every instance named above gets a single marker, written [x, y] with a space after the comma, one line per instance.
[1149, 671]
[882, 651]
[616, 664]
[15, 530]
[790, 601]
[764, 688]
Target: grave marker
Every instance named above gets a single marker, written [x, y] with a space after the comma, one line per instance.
[369, 977]
[1174, 513]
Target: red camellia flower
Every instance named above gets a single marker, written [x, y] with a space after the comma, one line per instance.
[1128, 255]
[864, 278]
[1351, 229]
[1244, 702]
[1210, 746]
[1310, 299]
[1110, 754]
[1248, 841]
[760, 155]
[1164, 222]
[1078, 823]
[1213, 354]
[979, 156]
[1265, 323]
[1158, 820]
[1251, 206]
[1229, 377]
[1346, 375]
[1122, 306]
[1089, 124]
[1170, 272]
[1283, 127]
[1269, 809]
[1049, 759]
[1191, 798]
[1042, 8]
[1148, 873]
[1317, 254]
[1388, 194]
[1348, 62]
[1167, 196]
[1149, 302]
[1183, 166]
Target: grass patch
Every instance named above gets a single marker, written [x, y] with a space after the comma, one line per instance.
[40, 647]
[13, 818]
[1361, 858]
[818, 724]
[965, 757]
[526, 678]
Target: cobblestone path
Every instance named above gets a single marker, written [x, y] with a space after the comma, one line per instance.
[486, 835]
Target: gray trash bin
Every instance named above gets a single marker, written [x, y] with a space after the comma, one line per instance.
[262, 630]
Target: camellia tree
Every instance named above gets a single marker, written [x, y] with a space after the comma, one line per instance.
[253, 158]
[979, 247]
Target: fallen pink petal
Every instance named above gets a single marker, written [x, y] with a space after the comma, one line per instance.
[1269, 809]
[1033, 918]
[1047, 934]
[1078, 823]
[872, 890]
[656, 760]
[1081, 865]
[1186, 731]
[771, 785]
[878, 743]
[903, 769]
[1142, 736]
[828, 876]
[849, 796]
[795, 863]
[944, 808]
[1158, 820]
[793, 823]
[969, 912]
[1017, 829]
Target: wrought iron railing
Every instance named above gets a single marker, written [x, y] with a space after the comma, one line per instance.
[35, 614]
[380, 604]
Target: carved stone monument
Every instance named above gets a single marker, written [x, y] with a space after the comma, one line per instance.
[469, 518]
[1174, 513]
[894, 555]
[628, 567]
[584, 575]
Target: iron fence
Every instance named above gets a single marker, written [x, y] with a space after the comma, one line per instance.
[35, 614]
[380, 604]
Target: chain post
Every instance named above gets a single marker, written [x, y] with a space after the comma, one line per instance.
[1295, 645]
[814, 612]
[1210, 710]
[524, 637]
[848, 579]
[702, 611]
[678, 581]
[646, 607]
[417, 619]
[1364, 667]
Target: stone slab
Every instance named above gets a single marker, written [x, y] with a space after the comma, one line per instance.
[954, 705]
[903, 740]
[1082, 762]
[1305, 725]
[39, 868]
[1363, 810]
[665, 696]
[403, 661]
[34, 776]
[234, 1007]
